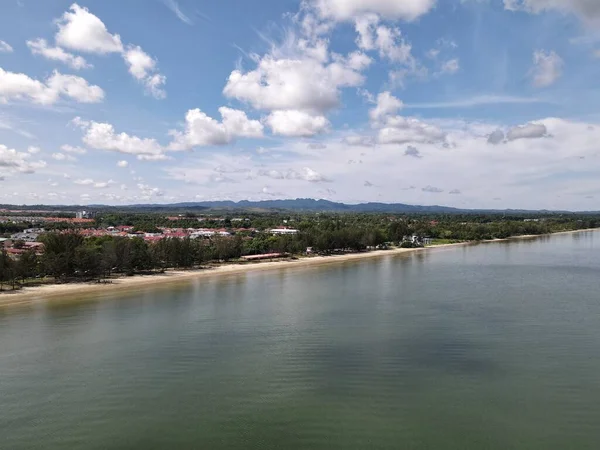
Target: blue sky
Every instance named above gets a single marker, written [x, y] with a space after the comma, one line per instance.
[468, 103]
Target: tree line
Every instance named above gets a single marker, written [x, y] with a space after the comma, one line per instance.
[69, 256]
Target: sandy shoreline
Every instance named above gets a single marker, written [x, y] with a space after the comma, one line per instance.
[31, 295]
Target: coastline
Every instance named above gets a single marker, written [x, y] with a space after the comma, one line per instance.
[31, 295]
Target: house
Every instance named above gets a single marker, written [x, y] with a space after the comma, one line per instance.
[418, 240]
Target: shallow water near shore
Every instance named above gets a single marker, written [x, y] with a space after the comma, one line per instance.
[493, 346]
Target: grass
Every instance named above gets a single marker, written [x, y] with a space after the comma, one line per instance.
[444, 242]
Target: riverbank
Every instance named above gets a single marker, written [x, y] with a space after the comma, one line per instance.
[32, 295]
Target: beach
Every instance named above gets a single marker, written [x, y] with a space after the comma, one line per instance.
[65, 292]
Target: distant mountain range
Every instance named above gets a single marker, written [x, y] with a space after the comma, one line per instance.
[309, 204]
[312, 205]
[299, 204]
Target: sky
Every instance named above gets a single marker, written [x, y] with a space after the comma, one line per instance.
[465, 103]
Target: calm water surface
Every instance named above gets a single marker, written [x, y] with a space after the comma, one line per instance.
[495, 346]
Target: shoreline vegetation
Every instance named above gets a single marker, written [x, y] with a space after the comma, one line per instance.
[45, 292]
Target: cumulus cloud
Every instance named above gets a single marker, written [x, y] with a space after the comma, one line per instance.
[63, 157]
[5, 47]
[80, 30]
[73, 149]
[304, 80]
[95, 184]
[528, 131]
[451, 66]
[387, 41]
[122, 164]
[317, 146]
[295, 123]
[18, 86]
[34, 150]
[14, 162]
[547, 68]
[386, 105]
[396, 129]
[41, 47]
[412, 151]
[455, 192]
[342, 10]
[305, 174]
[405, 130]
[202, 130]
[102, 136]
[143, 68]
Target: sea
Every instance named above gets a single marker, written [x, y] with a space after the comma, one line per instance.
[487, 346]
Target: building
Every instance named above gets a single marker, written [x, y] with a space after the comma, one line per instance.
[418, 240]
[263, 257]
[283, 231]
[85, 215]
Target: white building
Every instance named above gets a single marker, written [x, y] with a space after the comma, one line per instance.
[85, 215]
[281, 231]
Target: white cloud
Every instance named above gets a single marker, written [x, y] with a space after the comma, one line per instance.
[14, 162]
[5, 47]
[395, 129]
[299, 83]
[33, 150]
[95, 184]
[305, 174]
[143, 68]
[237, 124]
[387, 41]
[342, 10]
[102, 136]
[40, 47]
[451, 66]
[202, 130]
[18, 86]
[386, 105]
[80, 30]
[405, 130]
[547, 68]
[63, 157]
[71, 149]
[359, 141]
[149, 191]
[122, 164]
[308, 174]
[294, 123]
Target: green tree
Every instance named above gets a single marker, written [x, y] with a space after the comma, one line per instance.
[27, 265]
